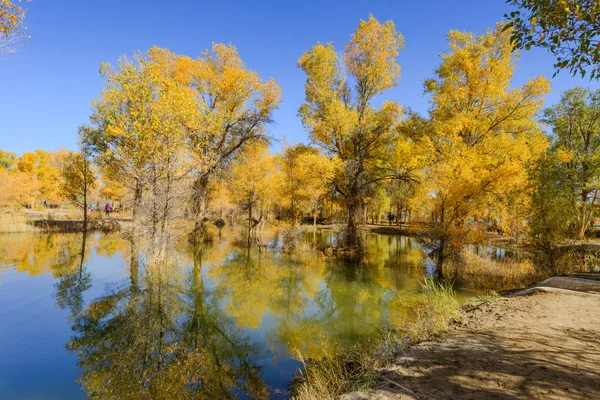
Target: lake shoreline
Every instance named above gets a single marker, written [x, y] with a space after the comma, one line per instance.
[508, 348]
[491, 239]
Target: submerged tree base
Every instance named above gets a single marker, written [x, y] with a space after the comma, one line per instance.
[350, 246]
[354, 252]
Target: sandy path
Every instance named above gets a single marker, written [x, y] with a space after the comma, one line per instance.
[543, 346]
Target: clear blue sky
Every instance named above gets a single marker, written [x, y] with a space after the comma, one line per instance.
[46, 89]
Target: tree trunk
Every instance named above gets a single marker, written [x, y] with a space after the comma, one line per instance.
[134, 264]
[85, 215]
[167, 204]
[439, 262]
[155, 200]
[200, 201]
[137, 205]
[364, 214]
[586, 213]
[351, 238]
[293, 210]
[331, 210]
[398, 214]
[249, 219]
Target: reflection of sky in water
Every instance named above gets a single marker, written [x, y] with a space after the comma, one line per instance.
[281, 304]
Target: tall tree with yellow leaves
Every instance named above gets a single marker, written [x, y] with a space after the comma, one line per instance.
[234, 106]
[7, 159]
[251, 181]
[78, 179]
[482, 134]
[138, 129]
[340, 116]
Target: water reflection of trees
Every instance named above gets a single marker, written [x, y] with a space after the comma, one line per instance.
[40, 254]
[318, 304]
[73, 277]
[163, 336]
[177, 327]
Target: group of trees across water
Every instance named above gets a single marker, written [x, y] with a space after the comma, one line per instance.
[176, 137]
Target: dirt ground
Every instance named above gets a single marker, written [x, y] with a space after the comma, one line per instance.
[542, 346]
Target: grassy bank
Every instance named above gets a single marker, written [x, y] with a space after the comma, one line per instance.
[16, 223]
[355, 369]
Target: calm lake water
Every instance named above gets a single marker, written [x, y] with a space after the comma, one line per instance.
[91, 316]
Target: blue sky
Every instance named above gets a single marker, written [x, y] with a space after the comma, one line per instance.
[46, 89]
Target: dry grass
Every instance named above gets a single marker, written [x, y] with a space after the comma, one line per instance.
[477, 272]
[575, 259]
[333, 375]
[63, 220]
[15, 222]
[432, 315]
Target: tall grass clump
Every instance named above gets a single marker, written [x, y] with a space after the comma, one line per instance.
[432, 316]
[335, 374]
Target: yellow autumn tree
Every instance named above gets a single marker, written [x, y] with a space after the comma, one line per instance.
[137, 132]
[78, 179]
[14, 191]
[306, 175]
[41, 176]
[340, 116]
[252, 181]
[113, 191]
[7, 159]
[482, 133]
[233, 104]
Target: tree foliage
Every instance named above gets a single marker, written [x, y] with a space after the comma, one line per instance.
[78, 179]
[252, 181]
[138, 132]
[306, 175]
[12, 28]
[575, 123]
[553, 208]
[568, 28]
[41, 170]
[234, 106]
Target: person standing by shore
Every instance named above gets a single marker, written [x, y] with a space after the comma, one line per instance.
[107, 210]
[92, 207]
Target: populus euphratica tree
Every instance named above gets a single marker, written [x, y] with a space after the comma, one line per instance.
[340, 116]
[306, 174]
[252, 181]
[483, 136]
[137, 132]
[233, 105]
